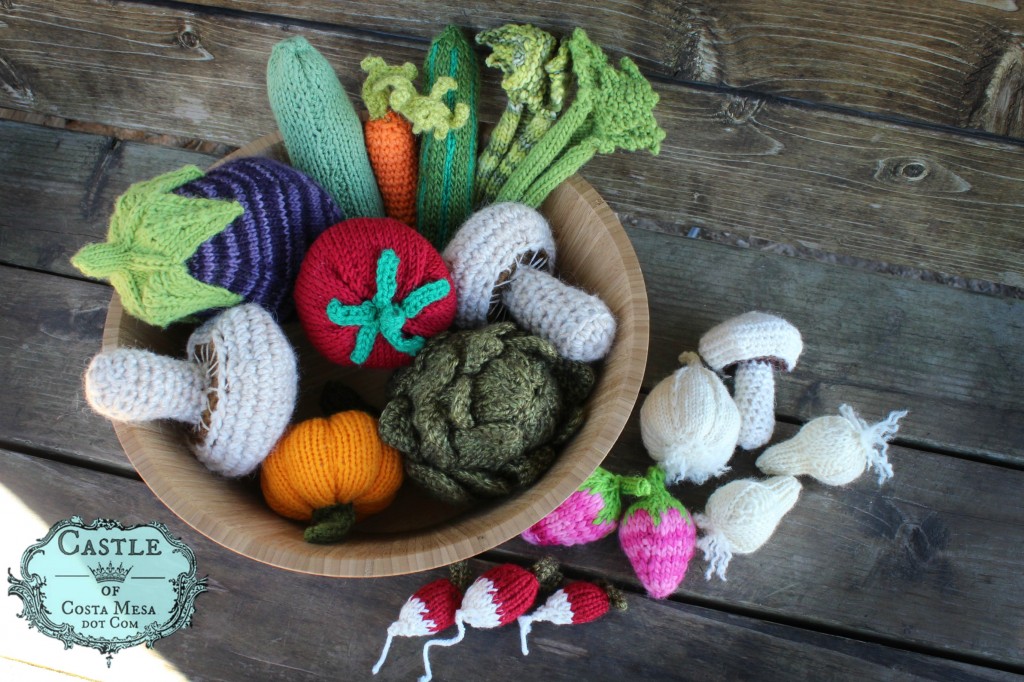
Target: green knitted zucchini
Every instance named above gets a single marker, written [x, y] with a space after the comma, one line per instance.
[321, 130]
[444, 198]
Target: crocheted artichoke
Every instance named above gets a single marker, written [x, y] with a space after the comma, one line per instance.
[482, 412]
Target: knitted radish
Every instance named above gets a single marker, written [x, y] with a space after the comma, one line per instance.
[590, 513]
[502, 257]
[689, 423]
[578, 602]
[496, 598]
[429, 611]
[371, 291]
[835, 450]
[187, 241]
[658, 536]
[740, 517]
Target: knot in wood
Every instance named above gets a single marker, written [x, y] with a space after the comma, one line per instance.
[188, 38]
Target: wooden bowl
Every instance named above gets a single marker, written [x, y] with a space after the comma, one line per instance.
[415, 533]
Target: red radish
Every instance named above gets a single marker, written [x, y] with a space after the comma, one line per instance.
[429, 611]
[496, 598]
[578, 602]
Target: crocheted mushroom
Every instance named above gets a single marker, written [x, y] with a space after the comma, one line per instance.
[754, 344]
[236, 389]
[503, 256]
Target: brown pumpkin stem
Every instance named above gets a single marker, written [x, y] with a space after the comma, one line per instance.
[330, 524]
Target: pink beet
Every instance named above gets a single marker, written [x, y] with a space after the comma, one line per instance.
[659, 538]
[589, 514]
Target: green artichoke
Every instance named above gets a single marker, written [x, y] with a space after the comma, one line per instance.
[482, 412]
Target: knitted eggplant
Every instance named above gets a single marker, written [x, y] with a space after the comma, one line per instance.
[590, 513]
[577, 602]
[186, 242]
[659, 537]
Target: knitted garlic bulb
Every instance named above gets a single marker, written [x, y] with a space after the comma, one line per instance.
[741, 516]
[835, 450]
[577, 602]
[690, 423]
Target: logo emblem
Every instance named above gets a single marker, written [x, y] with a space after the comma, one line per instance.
[106, 586]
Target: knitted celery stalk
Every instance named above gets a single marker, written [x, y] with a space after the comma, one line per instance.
[321, 130]
[445, 194]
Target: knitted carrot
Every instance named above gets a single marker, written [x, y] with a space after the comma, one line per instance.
[445, 194]
[397, 114]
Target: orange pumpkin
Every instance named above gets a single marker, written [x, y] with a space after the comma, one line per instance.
[331, 472]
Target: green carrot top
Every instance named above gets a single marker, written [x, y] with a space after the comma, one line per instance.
[392, 87]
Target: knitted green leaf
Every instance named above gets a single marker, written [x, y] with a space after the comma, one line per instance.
[445, 194]
[391, 87]
[659, 499]
[153, 232]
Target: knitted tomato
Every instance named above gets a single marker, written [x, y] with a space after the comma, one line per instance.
[371, 291]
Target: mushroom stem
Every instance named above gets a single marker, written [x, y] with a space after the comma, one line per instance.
[134, 385]
[578, 324]
[754, 394]
[330, 524]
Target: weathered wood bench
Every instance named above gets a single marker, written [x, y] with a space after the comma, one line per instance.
[856, 169]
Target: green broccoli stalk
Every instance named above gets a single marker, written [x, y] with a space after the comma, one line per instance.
[524, 54]
[613, 109]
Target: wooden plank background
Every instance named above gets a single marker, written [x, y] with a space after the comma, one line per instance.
[753, 167]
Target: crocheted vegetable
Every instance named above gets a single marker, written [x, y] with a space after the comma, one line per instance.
[236, 389]
[480, 413]
[690, 424]
[501, 259]
[321, 130]
[658, 537]
[590, 513]
[445, 194]
[740, 517]
[370, 291]
[186, 242]
[332, 472]
[835, 450]
[397, 114]
[753, 345]
[496, 598]
[612, 109]
[577, 602]
[535, 69]
[430, 610]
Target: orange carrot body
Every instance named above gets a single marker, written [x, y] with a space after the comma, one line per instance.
[394, 156]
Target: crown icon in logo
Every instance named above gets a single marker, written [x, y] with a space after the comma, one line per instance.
[110, 574]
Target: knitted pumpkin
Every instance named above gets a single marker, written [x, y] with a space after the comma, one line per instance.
[332, 472]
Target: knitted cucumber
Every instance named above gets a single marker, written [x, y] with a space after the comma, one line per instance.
[447, 167]
[321, 130]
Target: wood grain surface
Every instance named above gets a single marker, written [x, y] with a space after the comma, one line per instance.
[732, 162]
[334, 628]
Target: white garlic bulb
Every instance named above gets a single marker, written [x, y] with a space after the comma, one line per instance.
[690, 424]
[834, 450]
[740, 517]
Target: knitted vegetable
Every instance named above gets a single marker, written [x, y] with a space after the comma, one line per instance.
[430, 610]
[690, 424]
[496, 598]
[480, 413]
[501, 259]
[753, 345]
[321, 130]
[612, 109]
[590, 513]
[740, 517]
[185, 242]
[578, 602]
[445, 194]
[658, 537]
[397, 114]
[370, 291]
[535, 74]
[834, 450]
[236, 389]
[331, 472]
